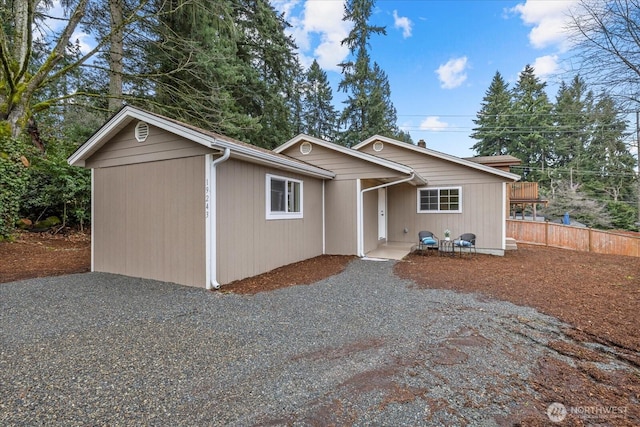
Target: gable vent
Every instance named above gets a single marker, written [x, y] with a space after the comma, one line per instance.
[305, 147]
[378, 146]
[142, 131]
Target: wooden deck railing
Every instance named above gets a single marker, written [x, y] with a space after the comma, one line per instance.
[524, 191]
[576, 238]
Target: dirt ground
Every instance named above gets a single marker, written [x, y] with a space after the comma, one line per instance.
[33, 255]
[597, 295]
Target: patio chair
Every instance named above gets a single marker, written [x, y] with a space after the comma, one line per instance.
[427, 240]
[466, 241]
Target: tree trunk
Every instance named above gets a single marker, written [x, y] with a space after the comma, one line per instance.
[115, 55]
[15, 116]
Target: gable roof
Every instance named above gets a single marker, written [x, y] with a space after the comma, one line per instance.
[239, 150]
[503, 160]
[443, 156]
[390, 164]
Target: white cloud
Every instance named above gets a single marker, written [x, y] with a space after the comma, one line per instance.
[403, 23]
[545, 66]
[549, 20]
[452, 74]
[318, 30]
[285, 6]
[433, 123]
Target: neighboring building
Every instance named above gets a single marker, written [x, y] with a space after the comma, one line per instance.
[176, 203]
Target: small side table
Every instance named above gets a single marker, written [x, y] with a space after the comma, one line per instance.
[446, 248]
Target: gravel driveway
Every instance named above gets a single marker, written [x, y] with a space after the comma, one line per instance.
[362, 348]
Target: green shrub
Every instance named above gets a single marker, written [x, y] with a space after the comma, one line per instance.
[13, 179]
[57, 189]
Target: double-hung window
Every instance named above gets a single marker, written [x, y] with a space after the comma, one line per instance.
[284, 197]
[443, 200]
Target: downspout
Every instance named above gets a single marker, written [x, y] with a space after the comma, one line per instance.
[213, 210]
[324, 225]
[361, 219]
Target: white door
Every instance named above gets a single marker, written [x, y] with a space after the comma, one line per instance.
[382, 214]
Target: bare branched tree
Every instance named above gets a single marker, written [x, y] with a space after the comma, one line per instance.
[36, 44]
[606, 36]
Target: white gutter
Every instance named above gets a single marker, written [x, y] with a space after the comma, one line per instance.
[210, 224]
[324, 225]
[360, 213]
[93, 215]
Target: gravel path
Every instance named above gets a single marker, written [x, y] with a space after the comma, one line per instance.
[362, 347]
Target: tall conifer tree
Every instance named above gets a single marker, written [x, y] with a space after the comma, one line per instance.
[319, 115]
[532, 113]
[572, 119]
[368, 108]
[494, 120]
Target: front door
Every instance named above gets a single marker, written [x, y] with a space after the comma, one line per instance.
[382, 215]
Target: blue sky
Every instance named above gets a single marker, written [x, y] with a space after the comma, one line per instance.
[440, 56]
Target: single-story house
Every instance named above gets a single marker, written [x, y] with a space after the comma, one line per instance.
[176, 203]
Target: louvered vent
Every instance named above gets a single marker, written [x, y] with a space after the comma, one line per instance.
[378, 146]
[142, 131]
[305, 148]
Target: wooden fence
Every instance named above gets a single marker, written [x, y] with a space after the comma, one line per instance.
[576, 238]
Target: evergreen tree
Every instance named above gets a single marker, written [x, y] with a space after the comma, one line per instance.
[383, 116]
[368, 108]
[494, 120]
[296, 103]
[572, 120]
[319, 115]
[242, 74]
[204, 93]
[533, 124]
[271, 68]
[608, 159]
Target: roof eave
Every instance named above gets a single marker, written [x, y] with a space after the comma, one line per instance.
[348, 151]
[127, 114]
[437, 154]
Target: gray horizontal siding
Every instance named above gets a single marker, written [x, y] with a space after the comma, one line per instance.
[124, 149]
[344, 166]
[436, 171]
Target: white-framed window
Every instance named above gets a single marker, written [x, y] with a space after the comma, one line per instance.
[284, 197]
[440, 200]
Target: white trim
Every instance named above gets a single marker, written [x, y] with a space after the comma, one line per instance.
[459, 210]
[439, 155]
[93, 229]
[398, 167]
[359, 211]
[383, 225]
[207, 219]
[324, 222]
[142, 131]
[269, 215]
[127, 114]
[213, 219]
[359, 244]
[306, 148]
[504, 216]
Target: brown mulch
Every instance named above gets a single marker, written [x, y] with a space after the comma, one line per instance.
[32, 255]
[597, 295]
[300, 273]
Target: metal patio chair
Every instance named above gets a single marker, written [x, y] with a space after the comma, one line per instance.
[466, 241]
